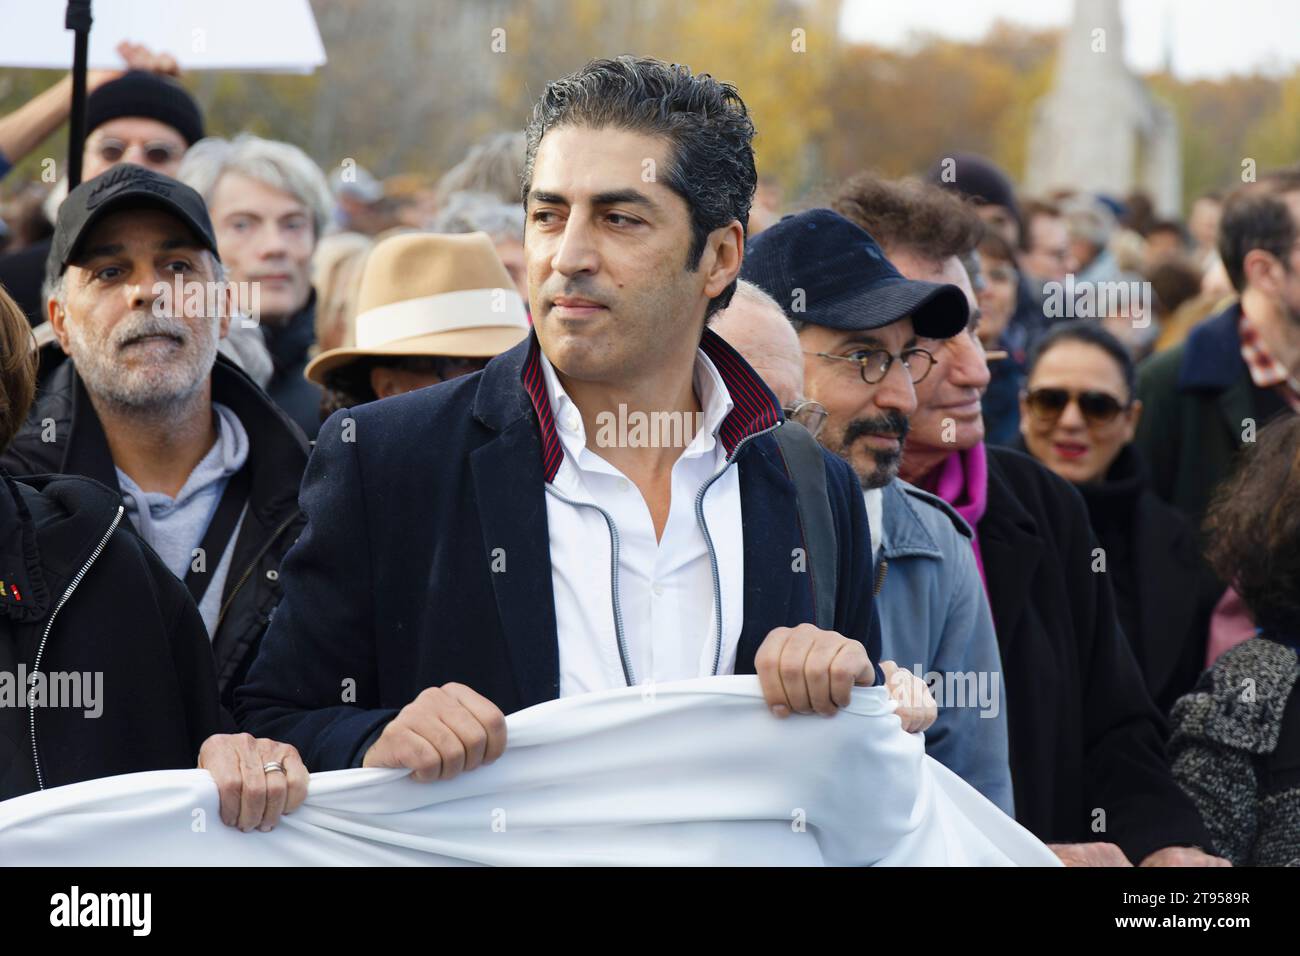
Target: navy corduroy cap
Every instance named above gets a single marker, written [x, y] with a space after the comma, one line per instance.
[825, 270]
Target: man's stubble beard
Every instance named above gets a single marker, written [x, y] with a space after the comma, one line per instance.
[163, 391]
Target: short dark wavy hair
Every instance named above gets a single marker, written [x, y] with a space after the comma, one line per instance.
[1256, 216]
[711, 157]
[1253, 527]
[932, 222]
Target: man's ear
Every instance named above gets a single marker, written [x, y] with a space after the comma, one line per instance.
[58, 321]
[723, 254]
[1260, 269]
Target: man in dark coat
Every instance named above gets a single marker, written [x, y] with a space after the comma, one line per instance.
[104, 663]
[470, 551]
[1207, 397]
[208, 466]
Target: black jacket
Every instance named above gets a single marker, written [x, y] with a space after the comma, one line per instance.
[1164, 593]
[276, 458]
[1084, 733]
[426, 556]
[290, 347]
[126, 617]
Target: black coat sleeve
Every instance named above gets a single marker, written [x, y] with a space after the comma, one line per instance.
[315, 682]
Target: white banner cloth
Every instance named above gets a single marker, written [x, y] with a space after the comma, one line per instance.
[276, 37]
[695, 772]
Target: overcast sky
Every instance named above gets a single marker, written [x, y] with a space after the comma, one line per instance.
[1208, 38]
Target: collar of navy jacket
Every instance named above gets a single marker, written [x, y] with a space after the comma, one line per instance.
[510, 470]
[1212, 356]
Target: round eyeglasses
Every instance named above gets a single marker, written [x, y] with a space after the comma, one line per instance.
[874, 364]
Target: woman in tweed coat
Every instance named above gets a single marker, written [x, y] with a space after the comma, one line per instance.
[1236, 738]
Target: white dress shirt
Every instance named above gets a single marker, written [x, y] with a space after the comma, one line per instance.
[665, 587]
[874, 498]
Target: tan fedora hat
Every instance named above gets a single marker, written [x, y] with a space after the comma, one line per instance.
[430, 294]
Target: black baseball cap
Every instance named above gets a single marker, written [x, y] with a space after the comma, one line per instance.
[124, 186]
[828, 271]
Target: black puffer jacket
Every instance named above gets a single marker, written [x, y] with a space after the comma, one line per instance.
[84, 595]
[277, 456]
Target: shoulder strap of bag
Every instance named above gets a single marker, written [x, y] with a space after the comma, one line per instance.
[220, 528]
[807, 468]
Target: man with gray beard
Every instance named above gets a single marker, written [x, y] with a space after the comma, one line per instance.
[207, 466]
[858, 321]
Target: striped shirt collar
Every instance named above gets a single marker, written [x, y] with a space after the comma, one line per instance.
[754, 407]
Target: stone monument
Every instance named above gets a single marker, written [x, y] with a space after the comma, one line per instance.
[1100, 129]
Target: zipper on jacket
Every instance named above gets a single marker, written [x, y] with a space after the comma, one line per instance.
[40, 649]
[708, 542]
[881, 568]
[628, 675]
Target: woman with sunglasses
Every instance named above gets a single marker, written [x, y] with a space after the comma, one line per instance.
[1078, 417]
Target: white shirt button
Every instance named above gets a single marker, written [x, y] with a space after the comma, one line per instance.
[624, 484]
[571, 420]
[658, 590]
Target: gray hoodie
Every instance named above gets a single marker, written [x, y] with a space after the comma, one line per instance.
[174, 527]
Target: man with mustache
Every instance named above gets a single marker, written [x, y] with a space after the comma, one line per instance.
[489, 543]
[206, 465]
[85, 604]
[859, 322]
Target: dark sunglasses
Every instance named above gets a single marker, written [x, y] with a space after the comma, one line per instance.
[1097, 408]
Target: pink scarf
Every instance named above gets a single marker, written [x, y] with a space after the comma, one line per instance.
[962, 480]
